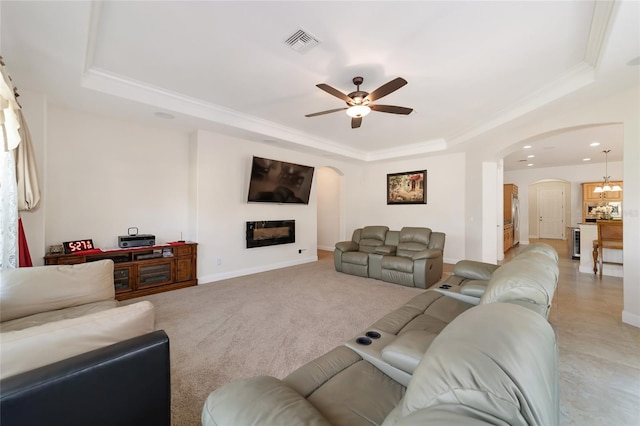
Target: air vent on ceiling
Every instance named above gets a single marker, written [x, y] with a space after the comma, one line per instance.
[301, 41]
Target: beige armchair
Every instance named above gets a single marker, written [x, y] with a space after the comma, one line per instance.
[51, 313]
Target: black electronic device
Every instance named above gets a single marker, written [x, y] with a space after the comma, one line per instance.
[274, 181]
[139, 240]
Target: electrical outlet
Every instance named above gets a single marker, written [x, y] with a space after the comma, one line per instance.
[299, 251]
[219, 261]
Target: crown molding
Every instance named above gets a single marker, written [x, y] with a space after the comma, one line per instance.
[600, 24]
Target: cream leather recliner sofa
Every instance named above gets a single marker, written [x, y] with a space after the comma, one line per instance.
[412, 256]
[436, 360]
[51, 313]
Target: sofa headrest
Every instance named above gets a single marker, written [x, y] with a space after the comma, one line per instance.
[530, 277]
[540, 248]
[372, 237]
[412, 240]
[374, 232]
[498, 361]
[415, 235]
[28, 291]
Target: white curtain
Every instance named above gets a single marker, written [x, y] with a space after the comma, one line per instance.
[8, 185]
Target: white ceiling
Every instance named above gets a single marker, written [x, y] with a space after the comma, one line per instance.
[224, 66]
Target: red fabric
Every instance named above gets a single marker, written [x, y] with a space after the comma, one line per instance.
[23, 248]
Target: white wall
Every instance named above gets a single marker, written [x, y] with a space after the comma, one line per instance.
[329, 207]
[444, 211]
[224, 168]
[104, 176]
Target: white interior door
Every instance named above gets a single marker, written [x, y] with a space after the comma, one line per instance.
[551, 213]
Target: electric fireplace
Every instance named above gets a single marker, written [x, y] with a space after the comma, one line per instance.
[270, 232]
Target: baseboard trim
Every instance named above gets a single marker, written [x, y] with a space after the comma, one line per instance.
[250, 271]
[326, 248]
[631, 319]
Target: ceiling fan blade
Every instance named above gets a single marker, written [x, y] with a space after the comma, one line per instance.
[315, 114]
[392, 109]
[387, 88]
[356, 122]
[335, 92]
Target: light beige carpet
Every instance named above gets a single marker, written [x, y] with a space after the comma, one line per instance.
[263, 324]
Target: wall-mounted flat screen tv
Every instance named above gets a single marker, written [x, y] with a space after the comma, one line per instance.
[274, 181]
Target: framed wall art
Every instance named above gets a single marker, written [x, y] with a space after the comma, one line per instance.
[407, 187]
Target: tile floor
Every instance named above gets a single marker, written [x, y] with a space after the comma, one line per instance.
[599, 354]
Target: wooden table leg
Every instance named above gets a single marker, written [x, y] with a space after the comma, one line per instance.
[595, 257]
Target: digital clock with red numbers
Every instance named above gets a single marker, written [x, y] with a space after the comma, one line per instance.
[78, 246]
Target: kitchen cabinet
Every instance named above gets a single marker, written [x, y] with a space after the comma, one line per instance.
[591, 199]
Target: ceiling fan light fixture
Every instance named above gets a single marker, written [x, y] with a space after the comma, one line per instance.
[356, 111]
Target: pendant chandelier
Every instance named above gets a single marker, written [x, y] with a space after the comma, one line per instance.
[606, 186]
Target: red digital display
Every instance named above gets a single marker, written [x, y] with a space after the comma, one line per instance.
[78, 246]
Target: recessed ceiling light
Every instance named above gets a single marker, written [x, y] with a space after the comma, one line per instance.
[586, 159]
[594, 144]
[527, 146]
[530, 156]
[164, 115]
[530, 165]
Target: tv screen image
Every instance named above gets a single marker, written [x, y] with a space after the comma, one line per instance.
[274, 181]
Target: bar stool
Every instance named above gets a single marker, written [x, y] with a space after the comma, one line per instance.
[609, 237]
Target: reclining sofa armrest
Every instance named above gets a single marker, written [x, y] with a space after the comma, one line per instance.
[474, 270]
[127, 383]
[427, 254]
[259, 401]
[386, 249]
[345, 246]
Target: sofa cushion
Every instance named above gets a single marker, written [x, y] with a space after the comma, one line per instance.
[345, 389]
[397, 263]
[359, 395]
[60, 314]
[474, 288]
[429, 311]
[504, 370]
[28, 291]
[34, 347]
[408, 349]
[355, 257]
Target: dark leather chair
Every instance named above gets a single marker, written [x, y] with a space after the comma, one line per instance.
[125, 384]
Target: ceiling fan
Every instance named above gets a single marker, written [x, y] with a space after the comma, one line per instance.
[360, 102]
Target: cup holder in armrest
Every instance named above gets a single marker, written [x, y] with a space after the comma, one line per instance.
[363, 341]
[373, 334]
